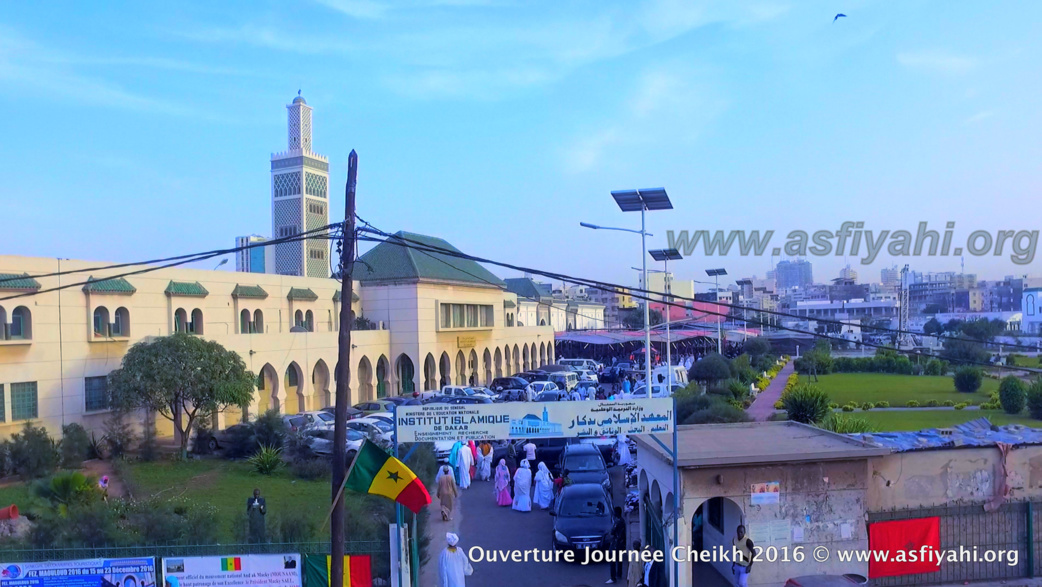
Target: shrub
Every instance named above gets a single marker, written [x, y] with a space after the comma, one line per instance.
[948, 403]
[298, 448]
[932, 403]
[867, 406]
[33, 453]
[933, 367]
[849, 408]
[75, 446]
[148, 448]
[779, 405]
[119, 436]
[294, 526]
[738, 390]
[991, 406]
[846, 424]
[238, 442]
[1012, 395]
[311, 469]
[201, 440]
[883, 404]
[1034, 400]
[807, 404]
[833, 405]
[717, 413]
[912, 403]
[96, 448]
[65, 490]
[960, 406]
[968, 379]
[267, 460]
[269, 429]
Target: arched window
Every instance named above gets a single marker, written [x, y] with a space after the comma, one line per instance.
[244, 322]
[298, 319]
[21, 323]
[258, 321]
[101, 321]
[180, 320]
[197, 322]
[121, 322]
[291, 377]
[1030, 309]
[309, 321]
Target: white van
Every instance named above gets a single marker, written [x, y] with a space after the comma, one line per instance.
[661, 373]
[588, 364]
[566, 380]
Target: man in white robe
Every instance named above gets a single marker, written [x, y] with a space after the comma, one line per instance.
[464, 462]
[523, 488]
[453, 564]
[622, 447]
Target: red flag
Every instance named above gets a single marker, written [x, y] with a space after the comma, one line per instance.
[908, 547]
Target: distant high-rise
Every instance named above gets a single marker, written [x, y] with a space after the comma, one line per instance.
[300, 199]
[796, 273]
[848, 274]
[251, 260]
[890, 277]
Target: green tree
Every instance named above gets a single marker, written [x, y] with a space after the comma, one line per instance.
[967, 379]
[964, 351]
[933, 327]
[634, 319]
[181, 376]
[757, 347]
[817, 361]
[710, 369]
[1034, 399]
[1012, 395]
[806, 403]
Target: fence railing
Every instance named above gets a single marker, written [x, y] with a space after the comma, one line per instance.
[1014, 527]
[379, 550]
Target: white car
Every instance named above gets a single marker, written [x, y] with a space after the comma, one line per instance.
[385, 416]
[587, 375]
[319, 419]
[381, 430]
[321, 441]
[537, 387]
[479, 391]
[657, 390]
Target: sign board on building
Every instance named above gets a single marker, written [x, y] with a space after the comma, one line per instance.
[233, 570]
[765, 493]
[572, 419]
[466, 342]
[80, 573]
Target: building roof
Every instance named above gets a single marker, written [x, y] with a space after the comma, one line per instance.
[527, 288]
[249, 291]
[509, 304]
[975, 433]
[186, 289]
[336, 296]
[301, 293]
[10, 281]
[394, 260]
[116, 285]
[758, 443]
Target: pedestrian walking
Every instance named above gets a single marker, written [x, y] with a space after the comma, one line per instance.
[744, 564]
[635, 571]
[523, 488]
[618, 544]
[530, 451]
[622, 447]
[463, 463]
[544, 487]
[485, 464]
[473, 459]
[503, 484]
[447, 493]
[453, 565]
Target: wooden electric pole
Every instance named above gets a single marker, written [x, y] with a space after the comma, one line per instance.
[343, 378]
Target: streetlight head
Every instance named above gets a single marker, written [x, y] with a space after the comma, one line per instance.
[716, 272]
[588, 225]
[666, 255]
[644, 199]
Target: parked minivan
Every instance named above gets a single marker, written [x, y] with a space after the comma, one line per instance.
[580, 364]
[565, 380]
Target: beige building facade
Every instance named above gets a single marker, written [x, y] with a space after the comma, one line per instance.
[57, 346]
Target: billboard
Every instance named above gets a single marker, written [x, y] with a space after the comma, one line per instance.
[104, 572]
[569, 419]
[232, 571]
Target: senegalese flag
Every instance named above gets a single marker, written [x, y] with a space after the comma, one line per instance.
[233, 563]
[378, 473]
[357, 570]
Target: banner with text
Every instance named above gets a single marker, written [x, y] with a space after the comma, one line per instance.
[572, 419]
[233, 571]
[106, 572]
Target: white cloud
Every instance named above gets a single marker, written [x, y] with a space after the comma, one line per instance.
[937, 61]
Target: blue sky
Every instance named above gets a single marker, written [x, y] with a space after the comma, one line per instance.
[141, 130]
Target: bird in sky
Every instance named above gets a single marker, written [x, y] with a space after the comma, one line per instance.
[839, 16]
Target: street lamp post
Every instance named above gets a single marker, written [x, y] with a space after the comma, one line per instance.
[632, 201]
[667, 255]
[715, 274]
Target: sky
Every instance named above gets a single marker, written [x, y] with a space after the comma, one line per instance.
[141, 130]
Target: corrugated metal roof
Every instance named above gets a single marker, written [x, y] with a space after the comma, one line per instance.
[979, 432]
[249, 291]
[186, 289]
[10, 281]
[301, 293]
[116, 285]
[395, 259]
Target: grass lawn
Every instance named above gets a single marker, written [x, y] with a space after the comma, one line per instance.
[894, 421]
[896, 389]
[227, 485]
[16, 493]
[1021, 361]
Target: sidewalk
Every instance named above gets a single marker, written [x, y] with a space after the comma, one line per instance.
[763, 405]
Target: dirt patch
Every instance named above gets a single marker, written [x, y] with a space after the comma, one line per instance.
[99, 469]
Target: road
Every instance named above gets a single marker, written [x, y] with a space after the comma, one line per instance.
[480, 522]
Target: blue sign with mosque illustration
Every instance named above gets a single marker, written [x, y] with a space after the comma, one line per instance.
[531, 425]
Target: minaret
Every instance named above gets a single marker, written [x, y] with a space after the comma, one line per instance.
[299, 198]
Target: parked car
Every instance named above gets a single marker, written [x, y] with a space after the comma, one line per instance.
[397, 399]
[376, 405]
[320, 440]
[550, 396]
[640, 391]
[500, 384]
[587, 375]
[294, 423]
[537, 387]
[478, 390]
[379, 429]
[454, 400]
[532, 376]
[319, 419]
[580, 363]
[583, 517]
[585, 464]
[385, 416]
[548, 450]
[423, 396]
[221, 438]
[465, 391]
[566, 381]
[352, 413]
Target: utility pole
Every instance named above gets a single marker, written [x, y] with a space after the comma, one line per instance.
[343, 378]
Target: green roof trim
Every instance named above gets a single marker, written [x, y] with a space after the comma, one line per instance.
[249, 291]
[10, 281]
[186, 289]
[116, 285]
[509, 304]
[526, 288]
[336, 296]
[396, 259]
[302, 293]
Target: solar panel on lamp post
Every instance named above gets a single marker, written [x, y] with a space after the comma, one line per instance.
[667, 255]
[715, 274]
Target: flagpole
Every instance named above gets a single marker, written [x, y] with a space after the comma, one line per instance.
[397, 507]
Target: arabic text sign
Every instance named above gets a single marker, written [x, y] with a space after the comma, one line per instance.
[79, 573]
[572, 419]
[234, 570]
